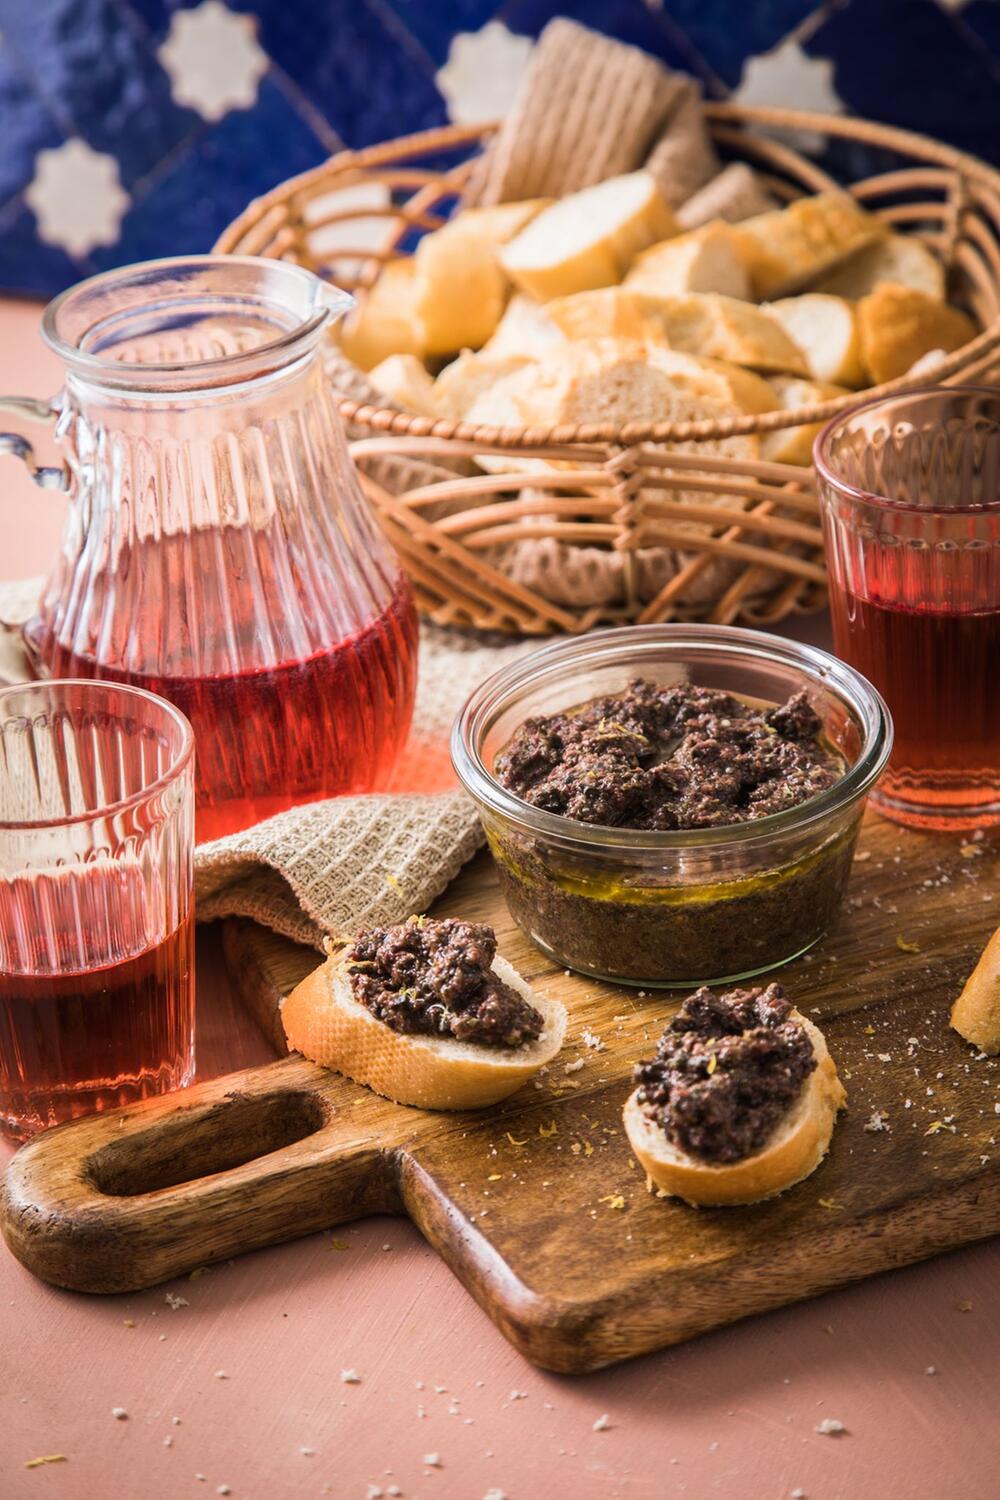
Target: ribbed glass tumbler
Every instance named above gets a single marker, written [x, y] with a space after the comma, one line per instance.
[96, 908]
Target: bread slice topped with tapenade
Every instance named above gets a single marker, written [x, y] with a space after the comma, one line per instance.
[739, 1102]
[426, 1013]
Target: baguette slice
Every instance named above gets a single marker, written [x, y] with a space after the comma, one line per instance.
[703, 260]
[589, 239]
[459, 289]
[976, 1013]
[898, 325]
[324, 1022]
[825, 329]
[384, 321]
[735, 193]
[790, 247]
[460, 384]
[900, 258]
[794, 445]
[726, 328]
[525, 329]
[406, 382]
[796, 1147]
[608, 312]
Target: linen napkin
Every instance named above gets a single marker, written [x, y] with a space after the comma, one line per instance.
[327, 868]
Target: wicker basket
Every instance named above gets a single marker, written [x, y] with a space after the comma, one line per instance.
[615, 493]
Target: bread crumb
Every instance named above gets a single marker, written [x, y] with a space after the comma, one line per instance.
[877, 1121]
[905, 946]
[830, 1427]
[603, 1423]
[176, 1421]
[174, 1302]
[350, 1377]
[433, 1460]
[221, 1375]
[494, 1494]
[223, 1489]
[574, 1067]
[519, 1395]
[308, 1452]
[119, 1413]
[374, 1492]
[46, 1458]
[592, 1040]
[963, 1306]
[129, 1322]
[931, 1370]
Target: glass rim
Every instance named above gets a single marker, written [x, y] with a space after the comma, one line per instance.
[179, 762]
[825, 471]
[607, 647]
[155, 375]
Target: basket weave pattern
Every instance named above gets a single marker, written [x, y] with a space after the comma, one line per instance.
[744, 534]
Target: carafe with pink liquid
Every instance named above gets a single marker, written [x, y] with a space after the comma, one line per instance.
[219, 551]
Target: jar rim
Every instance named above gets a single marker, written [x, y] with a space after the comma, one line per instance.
[825, 464]
[305, 302]
[619, 645]
[178, 764]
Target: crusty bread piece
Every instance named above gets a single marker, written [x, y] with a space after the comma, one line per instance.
[790, 247]
[794, 445]
[406, 382]
[715, 379]
[588, 239]
[460, 384]
[796, 1147]
[726, 328]
[459, 289]
[900, 258]
[825, 329]
[609, 312]
[384, 321]
[703, 260]
[324, 1022]
[733, 194]
[976, 1013]
[524, 329]
[897, 325]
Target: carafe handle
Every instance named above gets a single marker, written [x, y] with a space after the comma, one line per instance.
[48, 476]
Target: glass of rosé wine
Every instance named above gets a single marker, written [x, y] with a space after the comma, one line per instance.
[96, 905]
[910, 495]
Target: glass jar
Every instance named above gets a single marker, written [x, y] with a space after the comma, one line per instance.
[683, 907]
[219, 551]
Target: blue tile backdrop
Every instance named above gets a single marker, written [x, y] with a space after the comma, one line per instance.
[134, 128]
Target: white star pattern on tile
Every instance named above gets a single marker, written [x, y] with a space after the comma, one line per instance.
[789, 78]
[77, 197]
[482, 73]
[214, 60]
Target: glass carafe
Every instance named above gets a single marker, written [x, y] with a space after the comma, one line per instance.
[219, 550]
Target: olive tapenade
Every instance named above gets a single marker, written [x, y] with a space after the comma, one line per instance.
[726, 1071]
[436, 978]
[672, 759]
[666, 758]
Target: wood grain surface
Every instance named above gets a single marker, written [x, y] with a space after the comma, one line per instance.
[537, 1205]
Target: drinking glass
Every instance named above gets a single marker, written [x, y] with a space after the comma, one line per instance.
[910, 495]
[96, 875]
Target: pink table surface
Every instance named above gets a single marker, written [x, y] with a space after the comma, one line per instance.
[251, 1363]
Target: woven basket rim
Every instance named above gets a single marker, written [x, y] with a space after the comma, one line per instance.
[389, 420]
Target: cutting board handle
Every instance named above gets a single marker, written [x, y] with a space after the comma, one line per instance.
[129, 1198]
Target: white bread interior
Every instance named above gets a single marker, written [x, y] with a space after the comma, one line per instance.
[461, 383]
[525, 329]
[706, 259]
[324, 1022]
[901, 258]
[588, 239]
[797, 1145]
[405, 380]
[976, 1013]
[726, 328]
[794, 445]
[825, 329]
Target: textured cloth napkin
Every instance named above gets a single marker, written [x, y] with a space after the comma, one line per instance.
[330, 867]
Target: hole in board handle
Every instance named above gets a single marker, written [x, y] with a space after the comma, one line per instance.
[189, 1145]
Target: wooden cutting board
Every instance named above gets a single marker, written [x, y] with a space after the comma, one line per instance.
[537, 1204]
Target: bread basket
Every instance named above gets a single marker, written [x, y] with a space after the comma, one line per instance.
[743, 534]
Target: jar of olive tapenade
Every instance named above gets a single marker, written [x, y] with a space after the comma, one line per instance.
[673, 804]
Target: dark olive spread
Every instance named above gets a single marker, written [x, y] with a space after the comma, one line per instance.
[728, 1067]
[669, 758]
[435, 978]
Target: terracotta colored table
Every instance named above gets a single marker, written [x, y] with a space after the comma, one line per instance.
[251, 1360]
